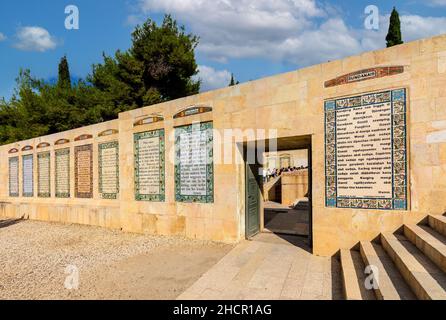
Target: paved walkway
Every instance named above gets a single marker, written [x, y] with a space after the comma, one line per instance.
[270, 267]
[282, 219]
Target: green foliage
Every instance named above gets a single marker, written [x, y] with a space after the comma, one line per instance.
[233, 82]
[38, 108]
[158, 67]
[64, 80]
[22, 111]
[394, 35]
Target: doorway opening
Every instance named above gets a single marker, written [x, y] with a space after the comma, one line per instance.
[278, 190]
[285, 192]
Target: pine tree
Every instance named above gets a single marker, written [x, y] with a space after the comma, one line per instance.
[159, 66]
[394, 35]
[64, 80]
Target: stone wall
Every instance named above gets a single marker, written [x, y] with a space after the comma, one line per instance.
[292, 103]
[294, 186]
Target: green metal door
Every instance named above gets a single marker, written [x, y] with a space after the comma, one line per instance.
[252, 201]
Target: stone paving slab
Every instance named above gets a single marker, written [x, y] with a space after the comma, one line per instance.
[270, 267]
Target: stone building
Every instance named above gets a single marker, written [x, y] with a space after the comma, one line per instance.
[374, 125]
[284, 159]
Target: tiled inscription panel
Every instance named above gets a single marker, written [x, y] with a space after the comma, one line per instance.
[14, 177]
[83, 174]
[62, 173]
[28, 181]
[43, 175]
[149, 166]
[366, 157]
[109, 170]
[194, 169]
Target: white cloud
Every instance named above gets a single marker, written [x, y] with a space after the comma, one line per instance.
[2, 37]
[415, 27]
[34, 39]
[436, 3]
[134, 19]
[212, 79]
[294, 31]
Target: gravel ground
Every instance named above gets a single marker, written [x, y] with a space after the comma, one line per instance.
[34, 257]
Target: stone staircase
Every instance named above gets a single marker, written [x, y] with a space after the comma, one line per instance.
[272, 190]
[411, 264]
[302, 204]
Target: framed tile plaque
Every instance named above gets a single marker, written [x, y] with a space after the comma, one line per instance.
[366, 151]
[83, 171]
[194, 164]
[150, 166]
[62, 173]
[28, 181]
[14, 177]
[43, 175]
[108, 158]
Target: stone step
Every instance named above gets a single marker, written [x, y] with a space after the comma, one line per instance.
[430, 242]
[425, 279]
[391, 285]
[354, 277]
[438, 223]
[302, 206]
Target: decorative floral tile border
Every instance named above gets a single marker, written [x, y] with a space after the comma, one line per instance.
[399, 159]
[103, 146]
[192, 110]
[209, 197]
[58, 153]
[108, 132]
[148, 135]
[365, 74]
[77, 150]
[46, 156]
[12, 178]
[31, 193]
[43, 145]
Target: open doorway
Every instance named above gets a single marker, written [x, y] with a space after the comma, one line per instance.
[278, 189]
[285, 192]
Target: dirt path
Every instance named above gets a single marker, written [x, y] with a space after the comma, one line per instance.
[163, 274]
[36, 259]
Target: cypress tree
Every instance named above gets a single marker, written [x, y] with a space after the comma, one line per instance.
[64, 80]
[232, 83]
[394, 35]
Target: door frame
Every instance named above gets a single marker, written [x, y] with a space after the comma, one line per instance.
[310, 194]
[309, 147]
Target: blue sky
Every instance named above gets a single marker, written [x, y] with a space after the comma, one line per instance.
[251, 38]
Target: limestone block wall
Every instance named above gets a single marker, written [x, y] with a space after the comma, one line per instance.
[216, 220]
[292, 104]
[95, 211]
[272, 190]
[294, 186]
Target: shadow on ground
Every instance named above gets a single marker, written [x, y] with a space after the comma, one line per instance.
[274, 237]
[9, 222]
